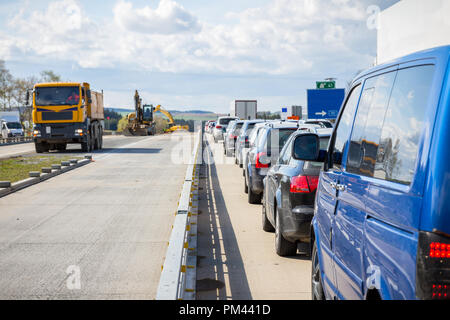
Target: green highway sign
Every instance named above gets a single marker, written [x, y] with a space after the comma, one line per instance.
[325, 84]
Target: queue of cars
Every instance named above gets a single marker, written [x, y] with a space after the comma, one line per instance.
[369, 199]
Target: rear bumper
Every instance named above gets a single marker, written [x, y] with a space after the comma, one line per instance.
[297, 223]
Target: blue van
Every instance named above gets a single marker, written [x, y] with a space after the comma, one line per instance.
[381, 226]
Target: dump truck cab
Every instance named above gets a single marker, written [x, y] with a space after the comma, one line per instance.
[67, 113]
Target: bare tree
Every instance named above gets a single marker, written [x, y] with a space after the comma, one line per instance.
[50, 76]
[6, 86]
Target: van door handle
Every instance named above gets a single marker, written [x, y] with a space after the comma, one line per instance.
[333, 185]
[340, 187]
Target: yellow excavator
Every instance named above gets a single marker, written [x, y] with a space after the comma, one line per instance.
[142, 123]
[172, 127]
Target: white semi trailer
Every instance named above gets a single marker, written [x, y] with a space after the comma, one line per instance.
[410, 26]
[244, 109]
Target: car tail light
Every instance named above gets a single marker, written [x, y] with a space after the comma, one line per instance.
[259, 164]
[440, 291]
[218, 127]
[433, 266]
[439, 250]
[304, 184]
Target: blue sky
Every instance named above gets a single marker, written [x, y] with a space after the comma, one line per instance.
[189, 54]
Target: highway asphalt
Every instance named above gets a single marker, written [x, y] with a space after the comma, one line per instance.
[237, 259]
[98, 232]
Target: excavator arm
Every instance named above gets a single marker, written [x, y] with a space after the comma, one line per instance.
[166, 113]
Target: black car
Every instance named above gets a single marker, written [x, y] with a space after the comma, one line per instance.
[289, 192]
[271, 139]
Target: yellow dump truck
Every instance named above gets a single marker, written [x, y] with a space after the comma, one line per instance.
[67, 113]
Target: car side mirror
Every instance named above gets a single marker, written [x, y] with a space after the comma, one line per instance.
[307, 148]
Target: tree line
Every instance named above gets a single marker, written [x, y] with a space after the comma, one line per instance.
[13, 90]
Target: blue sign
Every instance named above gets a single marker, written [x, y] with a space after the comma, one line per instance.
[283, 109]
[324, 103]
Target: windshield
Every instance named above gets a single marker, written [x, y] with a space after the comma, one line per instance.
[282, 135]
[14, 125]
[226, 121]
[57, 96]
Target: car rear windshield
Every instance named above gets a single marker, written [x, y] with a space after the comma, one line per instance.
[237, 128]
[225, 120]
[249, 129]
[283, 135]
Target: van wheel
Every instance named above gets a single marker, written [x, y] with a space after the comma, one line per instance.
[316, 279]
[283, 247]
[266, 225]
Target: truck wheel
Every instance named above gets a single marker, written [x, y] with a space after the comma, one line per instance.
[282, 246]
[61, 147]
[41, 147]
[86, 146]
[100, 139]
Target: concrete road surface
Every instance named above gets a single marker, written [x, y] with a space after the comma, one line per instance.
[109, 142]
[237, 259]
[98, 232]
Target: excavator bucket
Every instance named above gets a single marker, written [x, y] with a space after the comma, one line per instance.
[127, 132]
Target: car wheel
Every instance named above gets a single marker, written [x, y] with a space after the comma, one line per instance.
[283, 247]
[253, 198]
[245, 184]
[266, 225]
[316, 278]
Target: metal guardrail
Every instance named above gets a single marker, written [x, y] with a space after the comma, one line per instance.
[178, 275]
[13, 140]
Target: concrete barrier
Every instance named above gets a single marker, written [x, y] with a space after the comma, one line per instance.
[15, 140]
[178, 277]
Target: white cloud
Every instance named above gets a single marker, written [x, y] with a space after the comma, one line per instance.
[284, 37]
[168, 18]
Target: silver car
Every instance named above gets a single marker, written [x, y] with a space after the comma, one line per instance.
[221, 127]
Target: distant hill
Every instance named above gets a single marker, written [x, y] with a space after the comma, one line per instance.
[200, 115]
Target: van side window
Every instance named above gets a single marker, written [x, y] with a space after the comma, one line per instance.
[344, 127]
[368, 123]
[403, 125]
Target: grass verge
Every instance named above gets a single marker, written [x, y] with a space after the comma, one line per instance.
[18, 168]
